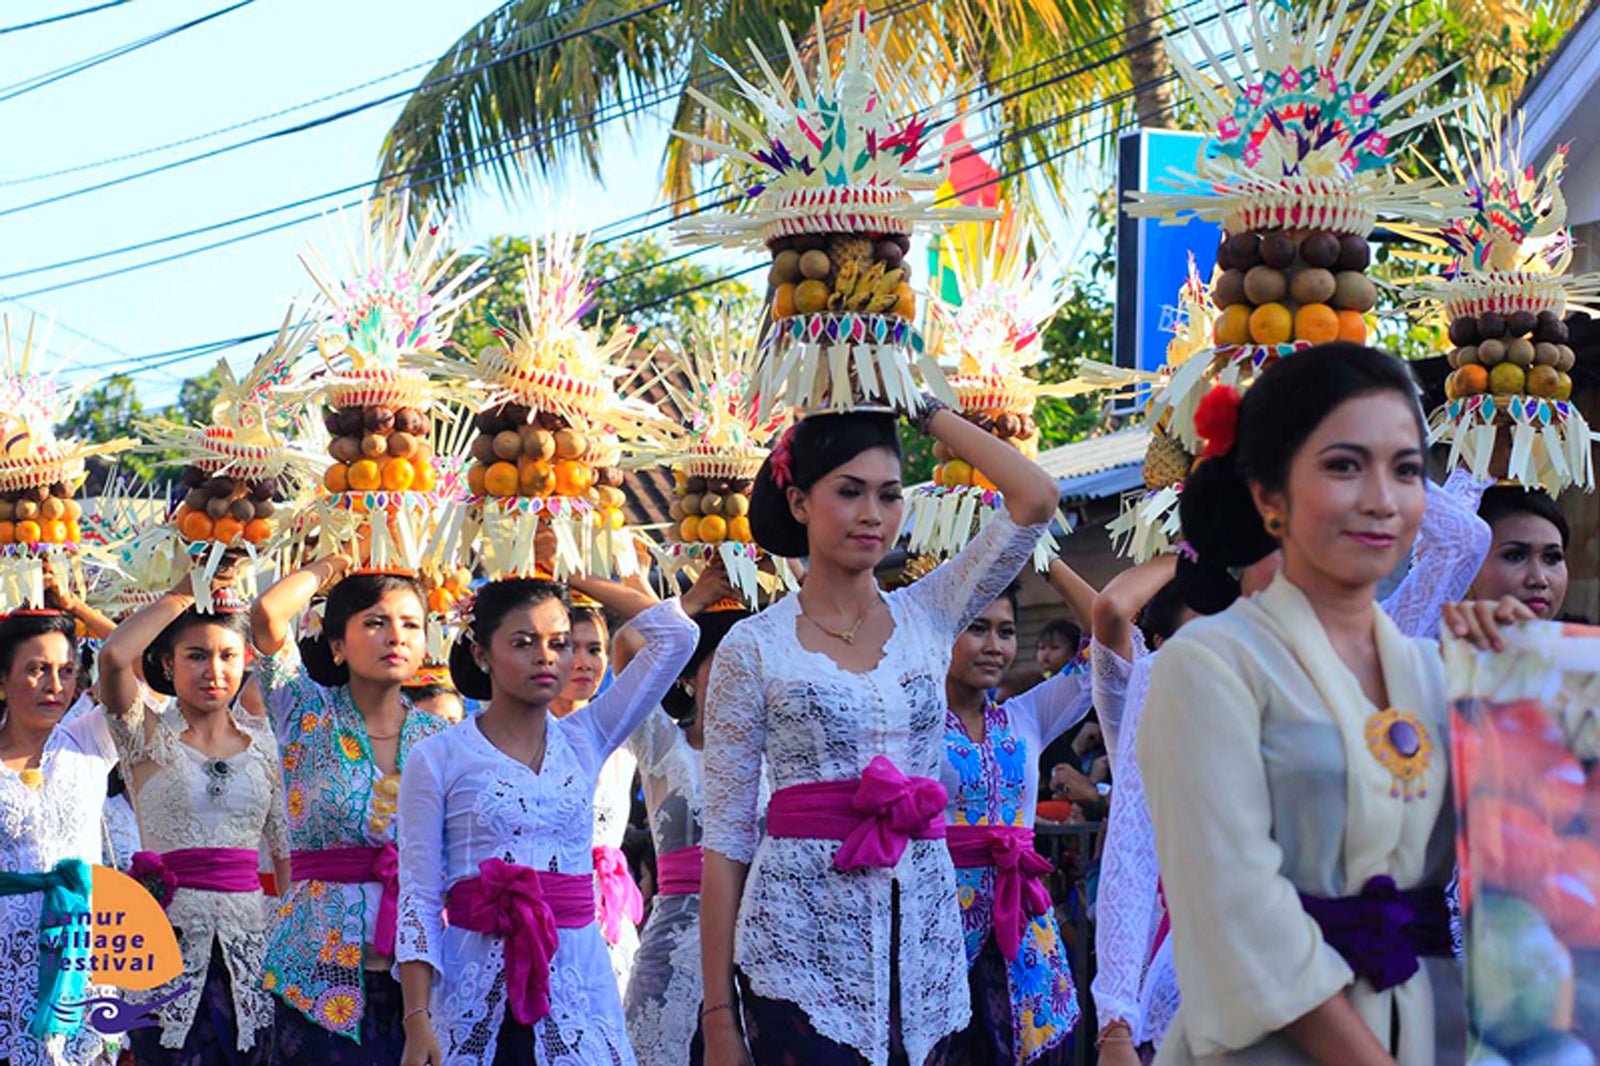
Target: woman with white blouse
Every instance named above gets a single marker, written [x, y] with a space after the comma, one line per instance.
[208, 790]
[495, 822]
[1136, 984]
[841, 926]
[1308, 796]
[52, 789]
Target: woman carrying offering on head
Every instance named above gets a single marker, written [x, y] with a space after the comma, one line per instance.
[849, 945]
[207, 788]
[496, 817]
[345, 731]
[1312, 797]
[1024, 1002]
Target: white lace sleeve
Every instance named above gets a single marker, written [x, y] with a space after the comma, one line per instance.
[959, 590]
[1111, 672]
[669, 640]
[276, 830]
[419, 931]
[1058, 704]
[653, 739]
[1129, 875]
[736, 738]
[1450, 549]
[90, 734]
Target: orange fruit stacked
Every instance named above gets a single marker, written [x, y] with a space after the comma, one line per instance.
[710, 510]
[1517, 354]
[841, 272]
[379, 449]
[1019, 431]
[43, 515]
[518, 454]
[1277, 287]
[227, 509]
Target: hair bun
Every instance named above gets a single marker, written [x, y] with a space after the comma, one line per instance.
[1219, 516]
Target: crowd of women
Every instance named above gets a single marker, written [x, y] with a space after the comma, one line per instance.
[841, 809]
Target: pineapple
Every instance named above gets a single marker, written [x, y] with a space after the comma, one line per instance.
[1165, 463]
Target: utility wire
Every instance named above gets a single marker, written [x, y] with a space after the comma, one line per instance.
[195, 138]
[64, 16]
[314, 123]
[50, 77]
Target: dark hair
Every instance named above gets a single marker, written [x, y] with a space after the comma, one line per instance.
[1197, 587]
[595, 616]
[1069, 633]
[1503, 501]
[495, 600]
[1278, 413]
[816, 445]
[25, 625]
[713, 626]
[356, 593]
[428, 690]
[156, 677]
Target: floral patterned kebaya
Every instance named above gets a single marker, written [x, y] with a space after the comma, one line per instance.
[337, 797]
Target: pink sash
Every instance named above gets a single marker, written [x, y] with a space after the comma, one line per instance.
[1019, 872]
[619, 897]
[678, 872]
[528, 908]
[358, 866]
[874, 816]
[207, 869]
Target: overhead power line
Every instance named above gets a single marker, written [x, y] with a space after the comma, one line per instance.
[343, 113]
[50, 77]
[63, 17]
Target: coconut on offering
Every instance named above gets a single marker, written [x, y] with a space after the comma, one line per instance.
[1505, 294]
[239, 469]
[1299, 169]
[836, 197]
[714, 441]
[40, 477]
[393, 304]
[550, 430]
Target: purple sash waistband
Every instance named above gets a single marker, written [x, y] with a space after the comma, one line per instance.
[1383, 932]
[207, 869]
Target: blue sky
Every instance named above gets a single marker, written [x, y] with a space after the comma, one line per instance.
[270, 55]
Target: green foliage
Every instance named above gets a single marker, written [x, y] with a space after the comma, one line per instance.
[105, 412]
[639, 284]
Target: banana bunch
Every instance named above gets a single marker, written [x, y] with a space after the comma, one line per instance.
[872, 291]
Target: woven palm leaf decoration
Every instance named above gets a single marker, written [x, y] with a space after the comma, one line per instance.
[1505, 291]
[834, 191]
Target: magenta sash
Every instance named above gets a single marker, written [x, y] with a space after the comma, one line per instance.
[207, 869]
[1019, 872]
[873, 817]
[528, 908]
[619, 897]
[358, 866]
[678, 872]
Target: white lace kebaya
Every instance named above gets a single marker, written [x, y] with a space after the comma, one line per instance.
[464, 801]
[47, 815]
[185, 799]
[807, 932]
[613, 803]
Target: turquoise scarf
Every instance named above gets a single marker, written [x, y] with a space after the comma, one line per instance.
[63, 964]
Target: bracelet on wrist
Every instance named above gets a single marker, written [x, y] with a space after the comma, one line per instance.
[715, 1007]
[1114, 1032]
[926, 409]
[414, 1011]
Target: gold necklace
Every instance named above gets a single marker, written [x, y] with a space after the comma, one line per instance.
[846, 635]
